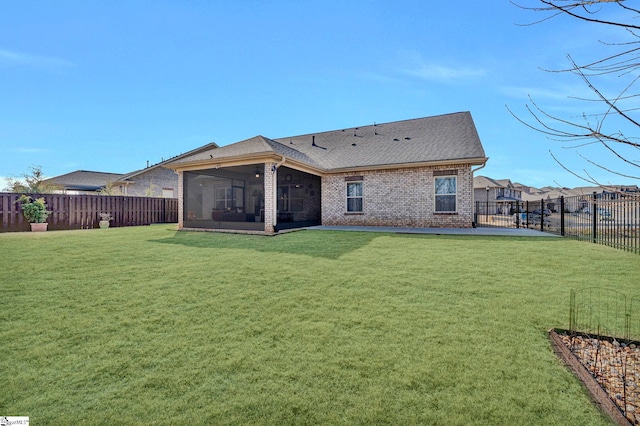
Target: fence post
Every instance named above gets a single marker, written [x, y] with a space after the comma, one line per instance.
[562, 215]
[542, 215]
[517, 214]
[594, 207]
[572, 313]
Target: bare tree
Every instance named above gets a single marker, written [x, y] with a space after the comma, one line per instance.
[613, 123]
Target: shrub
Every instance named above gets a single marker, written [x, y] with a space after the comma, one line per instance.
[35, 210]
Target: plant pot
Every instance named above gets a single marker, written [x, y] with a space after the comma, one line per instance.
[39, 227]
[104, 224]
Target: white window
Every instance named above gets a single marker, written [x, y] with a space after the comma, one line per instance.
[229, 198]
[355, 197]
[446, 193]
[223, 198]
[290, 198]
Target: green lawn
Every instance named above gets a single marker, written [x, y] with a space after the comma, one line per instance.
[148, 325]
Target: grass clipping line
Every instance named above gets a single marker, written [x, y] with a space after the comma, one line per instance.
[600, 397]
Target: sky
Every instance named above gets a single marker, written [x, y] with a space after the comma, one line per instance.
[112, 86]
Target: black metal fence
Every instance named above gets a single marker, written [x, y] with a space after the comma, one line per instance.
[611, 219]
[83, 211]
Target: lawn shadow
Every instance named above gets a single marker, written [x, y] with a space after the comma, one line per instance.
[326, 244]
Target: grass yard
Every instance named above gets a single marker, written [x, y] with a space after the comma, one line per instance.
[152, 326]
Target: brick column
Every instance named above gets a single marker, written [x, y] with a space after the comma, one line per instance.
[270, 202]
[180, 200]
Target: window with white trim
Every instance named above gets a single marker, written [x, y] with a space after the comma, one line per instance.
[290, 198]
[355, 197]
[446, 193]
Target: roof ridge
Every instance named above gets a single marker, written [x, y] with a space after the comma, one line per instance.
[375, 124]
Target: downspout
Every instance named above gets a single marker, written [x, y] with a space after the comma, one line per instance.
[473, 193]
[481, 167]
[473, 190]
[275, 191]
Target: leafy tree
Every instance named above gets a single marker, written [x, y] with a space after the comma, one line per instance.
[614, 124]
[32, 181]
[110, 188]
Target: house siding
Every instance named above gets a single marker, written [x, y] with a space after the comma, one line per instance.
[400, 198]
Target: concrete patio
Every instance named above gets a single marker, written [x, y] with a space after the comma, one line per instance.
[508, 232]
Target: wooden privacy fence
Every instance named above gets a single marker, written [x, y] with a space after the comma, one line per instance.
[83, 211]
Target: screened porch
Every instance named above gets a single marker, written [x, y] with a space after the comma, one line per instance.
[233, 198]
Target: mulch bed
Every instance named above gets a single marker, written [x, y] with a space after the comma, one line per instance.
[609, 369]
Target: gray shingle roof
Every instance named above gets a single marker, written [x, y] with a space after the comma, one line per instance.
[254, 145]
[84, 180]
[450, 137]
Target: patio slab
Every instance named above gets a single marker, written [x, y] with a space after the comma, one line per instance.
[510, 232]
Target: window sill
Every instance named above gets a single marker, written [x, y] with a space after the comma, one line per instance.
[446, 213]
[353, 213]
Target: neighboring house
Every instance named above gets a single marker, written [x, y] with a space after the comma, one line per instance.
[152, 181]
[499, 195]
[82, 182]
[411, 173]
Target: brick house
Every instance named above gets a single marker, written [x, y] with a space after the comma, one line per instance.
[411, 173]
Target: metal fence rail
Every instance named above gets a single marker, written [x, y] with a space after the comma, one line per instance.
[611, 219]
[83, 211]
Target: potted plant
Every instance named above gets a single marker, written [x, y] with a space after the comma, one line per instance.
[35, 210]
[105, 218]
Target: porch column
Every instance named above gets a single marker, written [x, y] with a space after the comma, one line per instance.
[180, 200]
[270, 194]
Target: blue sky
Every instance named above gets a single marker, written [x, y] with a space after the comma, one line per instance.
[108, 86]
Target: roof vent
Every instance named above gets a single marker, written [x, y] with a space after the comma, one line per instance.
[313, 140]
[354, 144]
[407, 139]
[396, 139]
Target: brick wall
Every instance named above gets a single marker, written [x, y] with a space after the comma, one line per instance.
[402, 197]
[180, 200]
[270, 182]
[152, 182]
